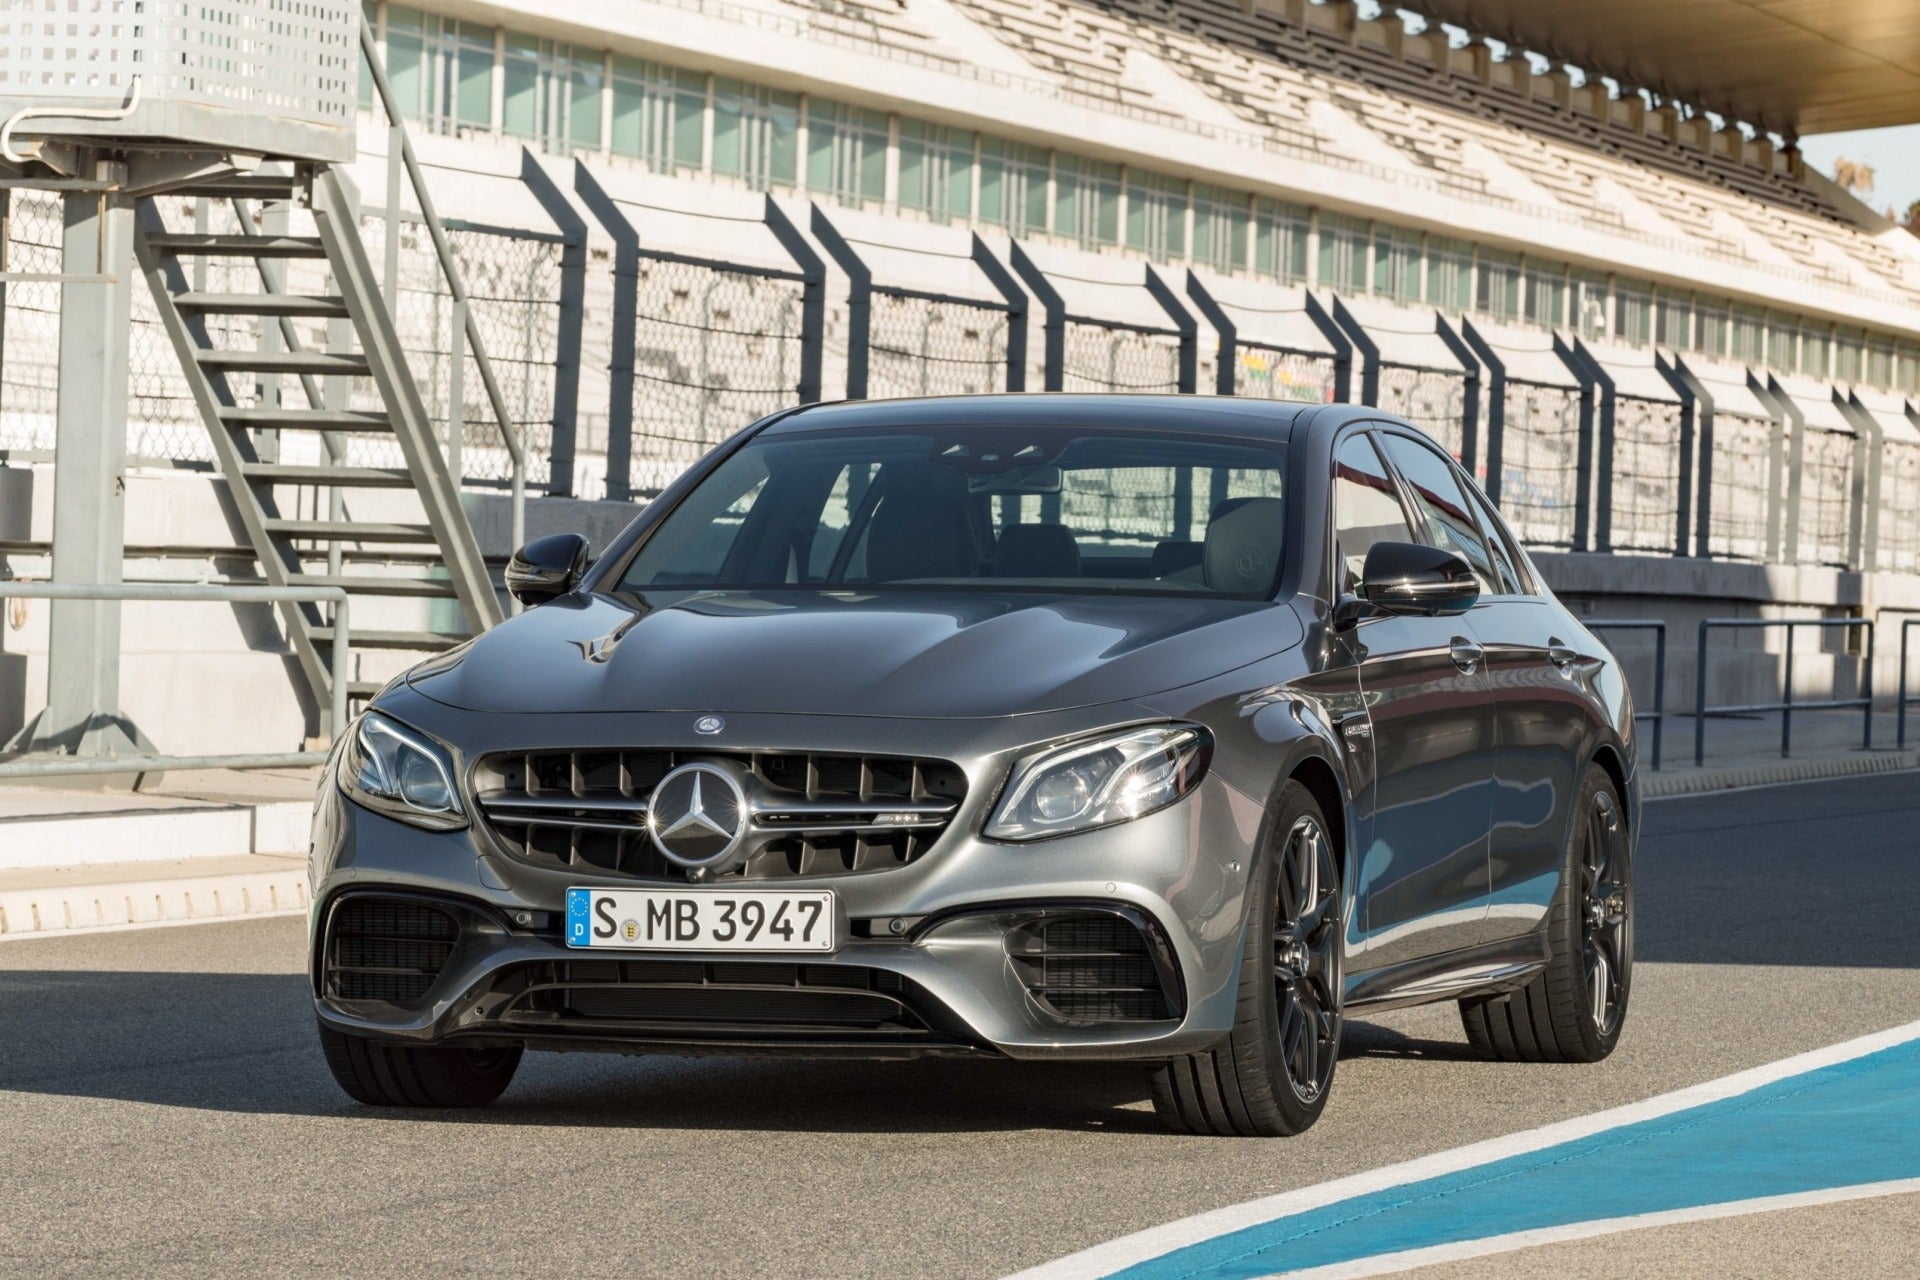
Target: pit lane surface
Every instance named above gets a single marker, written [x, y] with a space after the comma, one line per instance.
[164, 1109]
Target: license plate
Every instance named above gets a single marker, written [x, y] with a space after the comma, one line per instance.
[707, 920]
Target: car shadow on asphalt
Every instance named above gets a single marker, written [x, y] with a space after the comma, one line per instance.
[245, 1043]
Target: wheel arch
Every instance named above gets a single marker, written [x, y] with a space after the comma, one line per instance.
[1607, 756]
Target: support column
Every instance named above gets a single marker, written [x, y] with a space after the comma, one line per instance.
[89, 479]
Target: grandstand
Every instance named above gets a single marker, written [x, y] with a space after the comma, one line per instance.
[1642, 320]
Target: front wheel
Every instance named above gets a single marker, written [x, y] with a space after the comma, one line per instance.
[1271, 1075]
[387, 1075]
[1574, 1009]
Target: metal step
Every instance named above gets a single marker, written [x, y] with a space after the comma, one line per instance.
[261, 304]
[438, 588]
[307, 419]
[246, 186]
[205, 246]
[331, 477]
[422, 641]
[318, 363]
[351, 531]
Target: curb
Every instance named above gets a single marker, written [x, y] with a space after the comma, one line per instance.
[1855, 764]
[98, 908]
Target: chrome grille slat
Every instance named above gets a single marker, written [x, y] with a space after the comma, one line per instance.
[815, 813]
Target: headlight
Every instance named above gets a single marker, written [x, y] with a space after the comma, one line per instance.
[1113, 778]
[401, 773]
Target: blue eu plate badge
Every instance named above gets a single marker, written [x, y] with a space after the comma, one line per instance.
[578, 904]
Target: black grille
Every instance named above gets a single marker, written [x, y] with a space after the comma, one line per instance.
[387, 949]
[690, 996]
[587, 809]
[1091, 967]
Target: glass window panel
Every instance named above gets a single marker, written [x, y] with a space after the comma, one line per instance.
[1013, 186]
[846, 152]
[1546, 295]
[1498, 292]
[1280, 241]
[756, 134]
[1086, 204]
[1815, 347]
[1366, 507]
[586, 77]
[1633, 315]
[1450, 273]
[1221, 221]
[406, 59]
[1396, 263]
[1674, 321]
[1710, 325]
[1343, 253]
[936, 170]
[473, 76]
[1156, 214]
[1436, 491]
[521, 112]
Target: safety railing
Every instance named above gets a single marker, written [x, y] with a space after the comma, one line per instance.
[1904, 700]
[1658, 713]
[214, 592]
[400, 157]
[1786, 706]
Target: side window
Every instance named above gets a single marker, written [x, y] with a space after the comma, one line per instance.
[1450, 524]
[1506, 560]
[1366, 507]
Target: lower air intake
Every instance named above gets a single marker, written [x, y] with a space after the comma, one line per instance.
[1093, 967]
[387, 949]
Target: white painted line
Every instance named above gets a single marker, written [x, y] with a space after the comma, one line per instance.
[1769, 786]
[1387, 1264]
[1104, 1259]
[53, 910]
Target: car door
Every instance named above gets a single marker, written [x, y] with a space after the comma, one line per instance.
[1528, 764]
[1423, 840]
[1542, 716]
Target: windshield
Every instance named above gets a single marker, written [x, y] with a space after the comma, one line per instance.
[983, 508]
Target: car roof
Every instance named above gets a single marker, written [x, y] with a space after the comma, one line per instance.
[1273, 419]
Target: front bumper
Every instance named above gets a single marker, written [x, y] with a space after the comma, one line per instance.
[946, 937]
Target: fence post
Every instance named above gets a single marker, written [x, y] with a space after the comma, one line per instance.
[1700, 698]
[1188, 328]
[1226, 352]
[813, 299]
[1470, 397]
[1369, 352]
[1054, 361]
[1869, 449]
[1596, 411]
[1786, 699]
[626, 309]
[859, 301]
[1696, 412]
[1342, 347]
[1659, 689]
[1496, 412]
[1866, 686]
[1783, 521]
[1016, 299]
[572, 328]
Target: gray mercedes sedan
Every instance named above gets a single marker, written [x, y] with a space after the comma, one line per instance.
[1052, 727]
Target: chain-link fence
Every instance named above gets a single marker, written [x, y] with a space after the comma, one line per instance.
[1645, 475]
[1271, 373]
[1899, 530]
[922, 346]
[1101, 357]
[1737, 497]
[714, 348]
[29, 320]
[1432, 399]
[1826, 496]
[1540, 463]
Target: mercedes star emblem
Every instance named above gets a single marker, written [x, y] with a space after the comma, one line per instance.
[709, 724]
[697, 816]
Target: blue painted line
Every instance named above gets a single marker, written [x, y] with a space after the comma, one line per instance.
[1854, 1122]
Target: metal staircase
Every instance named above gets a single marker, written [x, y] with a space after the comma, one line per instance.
[264, 438]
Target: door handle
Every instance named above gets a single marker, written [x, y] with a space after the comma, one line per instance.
[1466, 654]
[1559, 655]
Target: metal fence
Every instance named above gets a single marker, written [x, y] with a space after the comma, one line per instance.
[1645, 493]
[1735, 455]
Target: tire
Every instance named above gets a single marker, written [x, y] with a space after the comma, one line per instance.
[386, 1075]
[1574, 1009]
[1271, 1075]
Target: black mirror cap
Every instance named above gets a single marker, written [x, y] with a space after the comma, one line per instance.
[547, 568]
[1411, 579]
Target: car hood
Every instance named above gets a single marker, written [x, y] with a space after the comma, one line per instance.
[902, 653]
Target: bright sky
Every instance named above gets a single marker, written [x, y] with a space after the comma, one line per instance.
[1893, 153]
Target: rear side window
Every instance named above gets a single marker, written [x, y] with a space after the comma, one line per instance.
[1366, 508]
[1506, 560]
[1436, 491]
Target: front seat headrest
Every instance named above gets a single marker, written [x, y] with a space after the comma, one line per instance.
[1036, 551]
[1243, 545]
[921, 531]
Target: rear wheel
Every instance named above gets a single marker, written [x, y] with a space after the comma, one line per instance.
[386, 1075]
[1271, 1075]
[1574, 1009]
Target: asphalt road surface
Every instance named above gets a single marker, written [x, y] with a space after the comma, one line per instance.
[164, 1110]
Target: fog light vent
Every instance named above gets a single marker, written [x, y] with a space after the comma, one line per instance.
[1094, 967]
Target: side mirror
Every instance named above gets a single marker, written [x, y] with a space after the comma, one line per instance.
[547, 568]
[1412, 580]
